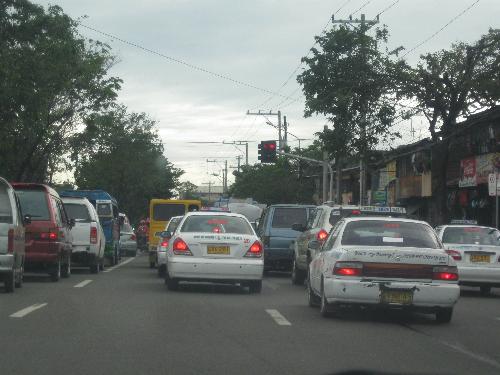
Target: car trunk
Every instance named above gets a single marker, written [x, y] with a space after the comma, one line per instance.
[225, 246]
[477, 255]
[81, 233]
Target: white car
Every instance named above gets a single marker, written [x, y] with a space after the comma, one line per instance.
[476, 251]
[88, 235]
[383, 262]
[215, 247]
[163, 244]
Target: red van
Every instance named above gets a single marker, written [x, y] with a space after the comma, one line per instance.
[48, 236]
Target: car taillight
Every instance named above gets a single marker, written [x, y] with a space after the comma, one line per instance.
[322, 234]
[51, 236]
[93, 235]
[255, 251]
[10, 241]
[180, 247]
[445, 273]
[454, 254]
[164, 243]
[348, 269]
[132, 237]
[355, 212]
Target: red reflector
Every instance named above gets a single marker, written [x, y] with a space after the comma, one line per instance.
[454, 254]
[93, 235]
[10, 241]
[322, 234]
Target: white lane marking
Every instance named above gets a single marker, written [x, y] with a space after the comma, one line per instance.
[270, 285]
[82, 284]
[119, 265]
[473, 355]
[27, 310]
[278, 318]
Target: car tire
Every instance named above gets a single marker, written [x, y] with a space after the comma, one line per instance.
[312, 298]
[9, 281]
[162, 270]
[172, 284]
[20, 278]
[255, 286]
[151, 264]
[298, 276]
[485, 289]
[324, 309]
[444, 315]
[55, 272]
[94, 268]
[66, 270]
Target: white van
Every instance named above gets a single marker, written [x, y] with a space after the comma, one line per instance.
[88, 235]
[12, 246]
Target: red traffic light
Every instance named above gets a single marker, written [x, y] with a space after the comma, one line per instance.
[270, 146]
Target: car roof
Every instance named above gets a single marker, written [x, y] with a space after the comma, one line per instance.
[293, 205]
[69, 199]
[214, 213]
[464, 226]
[176, 217]
[34, 186]
[384, 218]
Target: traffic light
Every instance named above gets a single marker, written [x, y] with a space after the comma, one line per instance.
[267, 151]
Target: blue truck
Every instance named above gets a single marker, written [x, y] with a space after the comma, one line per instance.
[107, 210]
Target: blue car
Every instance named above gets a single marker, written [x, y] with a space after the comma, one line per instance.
[276, 233]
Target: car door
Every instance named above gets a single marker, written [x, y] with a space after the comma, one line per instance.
[64, 225]
[304, 238]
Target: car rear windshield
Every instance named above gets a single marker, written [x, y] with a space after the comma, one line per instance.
[104, 209]
[5, 207]
[34, 203]
[472, 236]
[389, 233]
[76, 211]
[216, 224]
[164, 211]
[286, 217]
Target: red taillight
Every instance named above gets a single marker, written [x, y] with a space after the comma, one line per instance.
[10, 241]
[348, 269]
[454, 254]
[164, 243]
[445, 273]
[93, 235]
[355, 212]
[51, 236]
[322, 234]
[255, 251]
[180, 247]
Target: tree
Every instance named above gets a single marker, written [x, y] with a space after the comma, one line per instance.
[188, 190]
[50, 78]
[121, 153]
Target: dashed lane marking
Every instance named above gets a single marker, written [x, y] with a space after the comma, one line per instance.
[119, 265]
[278, 318]
[22, 313]
[82, 284]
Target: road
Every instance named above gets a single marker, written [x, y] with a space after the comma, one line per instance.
[124, 321]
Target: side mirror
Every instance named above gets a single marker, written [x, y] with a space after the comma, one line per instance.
[27, 219]
[71, 223]
[314, 245]
[298, 227]
[166, 234]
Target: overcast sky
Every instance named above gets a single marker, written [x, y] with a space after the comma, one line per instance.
[259, 42]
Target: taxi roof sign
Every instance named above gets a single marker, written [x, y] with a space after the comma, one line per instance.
[215, 209]
[464, 222]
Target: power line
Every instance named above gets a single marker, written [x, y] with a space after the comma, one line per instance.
[387, 8]
[362, 6]
[442, 28]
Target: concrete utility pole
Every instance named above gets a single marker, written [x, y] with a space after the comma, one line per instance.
[209, 183]
[285, 127]
[270, 113]
[325, 170]
[240, 143]
[365, 26]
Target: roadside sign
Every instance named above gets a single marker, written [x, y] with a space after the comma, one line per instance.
[492, 184]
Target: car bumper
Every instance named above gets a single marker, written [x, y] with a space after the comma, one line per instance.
[128, 246]
[479, 276]
[162, 257]
[6, 262]
[425, 295]
[83, 257]
[209, 269]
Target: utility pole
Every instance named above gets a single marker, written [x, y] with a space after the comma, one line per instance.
[240, 143]
[365, 26]
[225, 177]
[270, 113]
[209, 183]
[325, 171]
[285, 127]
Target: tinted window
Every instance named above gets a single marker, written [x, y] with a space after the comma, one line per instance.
[389, 233]
[312, 217]
[163, 212]
[335, 216]
[125, 227]
[472, 236]
[104, 209]
[285, 217]
[173, 224]
[34, 203]
[216, 224]
[76, 211]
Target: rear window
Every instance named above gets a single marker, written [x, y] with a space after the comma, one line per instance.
[5, 207]
[76, 211]
[125, 227]
[104, 209]
[286, 217]
[163, 212]
[389, 233]
[216, 224]
[472, 236]
[173, 224]
[34, 203]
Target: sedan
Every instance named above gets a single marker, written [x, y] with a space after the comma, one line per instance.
[215, 247]
[163, 244]
[384, 263]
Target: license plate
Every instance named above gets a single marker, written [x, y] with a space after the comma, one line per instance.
[218, 250]
[400, 297]
[477, 258]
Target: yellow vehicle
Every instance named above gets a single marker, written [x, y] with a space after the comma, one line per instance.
[160, 212]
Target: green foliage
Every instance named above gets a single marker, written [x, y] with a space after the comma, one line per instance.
[187, 190]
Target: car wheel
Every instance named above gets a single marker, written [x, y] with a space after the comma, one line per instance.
[66, 269]
[312, 298]
[9, 280]
[444, 315]
[255, 286]
[172, 284]
[298, 276]
[20, 277]
[323, 307]
[55, 273]
[485, 289]
[94, 268]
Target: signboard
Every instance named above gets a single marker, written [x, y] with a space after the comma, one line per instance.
[467, 172]
[492, 184]
[380, 197]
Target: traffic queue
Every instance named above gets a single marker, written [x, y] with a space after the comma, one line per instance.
[44, 231]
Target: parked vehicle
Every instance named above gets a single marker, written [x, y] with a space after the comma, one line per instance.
[215, 247]
[165, 243]
[88, 236]
[12, 240]
[319, 225]
[128, 239]
[107, 210]
[276, 233]
[476, 250]
[49, 241]
[160, 212]
[383, 263]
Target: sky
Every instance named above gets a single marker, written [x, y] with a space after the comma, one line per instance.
[258, 43]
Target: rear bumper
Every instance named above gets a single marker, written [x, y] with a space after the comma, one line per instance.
[476, 276]
[39, 253]
[273, 255]
[210, 269]
[162, 257]
[83, 258]
[6, 263]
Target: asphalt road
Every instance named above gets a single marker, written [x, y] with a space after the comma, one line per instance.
[125, 322]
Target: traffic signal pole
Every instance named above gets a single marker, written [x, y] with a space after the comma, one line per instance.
[271, 113]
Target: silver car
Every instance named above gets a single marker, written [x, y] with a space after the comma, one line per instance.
[128, 240]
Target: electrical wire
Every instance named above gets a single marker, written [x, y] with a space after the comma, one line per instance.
[387, 8]
[362, 7]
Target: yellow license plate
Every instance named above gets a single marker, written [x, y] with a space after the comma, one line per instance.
[218, 250]
[476, 258]
[403, 297]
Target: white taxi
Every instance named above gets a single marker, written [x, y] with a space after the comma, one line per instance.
[476, 250]
[383, 262]
[161, 249]
[215, 247]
